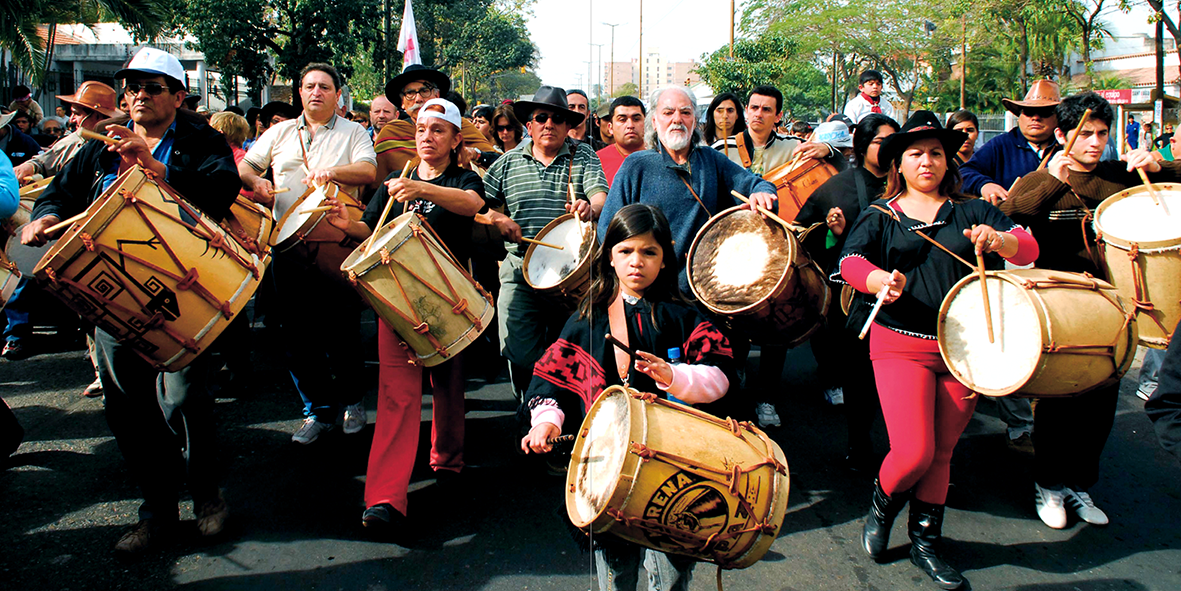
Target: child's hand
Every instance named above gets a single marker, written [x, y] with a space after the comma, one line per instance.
[654, 367]
[538, 438]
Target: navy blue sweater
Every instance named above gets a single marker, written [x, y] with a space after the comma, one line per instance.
[1003, 159]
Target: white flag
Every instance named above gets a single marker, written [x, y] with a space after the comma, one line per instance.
[408, 38]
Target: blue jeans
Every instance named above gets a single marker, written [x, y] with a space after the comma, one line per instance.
[17, 313]
[618, 564]
[1149, 370]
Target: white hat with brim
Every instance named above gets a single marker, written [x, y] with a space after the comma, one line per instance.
[152, 61]
[835, 134]
[450, 112]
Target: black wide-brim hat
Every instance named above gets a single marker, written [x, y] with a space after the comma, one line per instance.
[547, 97]
[922, 125]
[277, 107]
[393, 88]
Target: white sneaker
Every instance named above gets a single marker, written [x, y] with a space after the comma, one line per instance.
[1080, 502]
[354, 418]
[766, 416]
[835, 396]
[1050, 505]
[310, 430]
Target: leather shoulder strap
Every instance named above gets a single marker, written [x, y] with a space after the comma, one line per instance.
[743, 151]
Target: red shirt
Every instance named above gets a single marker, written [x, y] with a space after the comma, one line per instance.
[612, 159]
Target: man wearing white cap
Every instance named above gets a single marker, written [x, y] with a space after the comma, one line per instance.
[166, 434]
[448, 197]
[315, 148]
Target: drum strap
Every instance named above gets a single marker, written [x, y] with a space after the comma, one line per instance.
[862, 191]
[743, 151]
[694, 194]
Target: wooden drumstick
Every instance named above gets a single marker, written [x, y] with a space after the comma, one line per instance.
[1156, 198]
[63, 224]
[984, 292]
[762, 210]
[94, 135]
[317, 209]
[1069, 142]
[385, 212]
[277, 191]
[540, 243]
[560, 439]
[1015, 181]
[622, 347]
[874, 313]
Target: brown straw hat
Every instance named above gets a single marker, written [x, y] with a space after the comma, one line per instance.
[1043, 93]
[95, 96]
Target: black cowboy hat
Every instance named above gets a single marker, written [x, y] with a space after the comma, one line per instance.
[393, 88]
[922, 125]
[277, 107]
[547, 97]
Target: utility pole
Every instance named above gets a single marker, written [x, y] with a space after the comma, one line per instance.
[641, 37]
[385, 17]
[611, 84]
[590, 40]
[731, 29]
[596, 81]
[963, 55]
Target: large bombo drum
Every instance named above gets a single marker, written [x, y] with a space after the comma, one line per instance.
[677, 480]
[795, 185]
[152, 270]
[1057, 334]
[563, 276]
[417, 287]
[1142, 251]
[251, 224]
[756, 279]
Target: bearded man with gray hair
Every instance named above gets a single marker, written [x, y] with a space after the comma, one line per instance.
[688, 181]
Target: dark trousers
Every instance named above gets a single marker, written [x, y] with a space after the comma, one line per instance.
[1069, 435]
[321, 334]
[842, 360]
[163, 423]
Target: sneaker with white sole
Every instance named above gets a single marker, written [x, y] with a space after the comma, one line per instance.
[766, 416]
[355, 418]
[1051, 505]
[835, 396]
[310, 430]
[1080, 502]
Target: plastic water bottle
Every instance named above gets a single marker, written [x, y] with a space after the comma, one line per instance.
[674, 356]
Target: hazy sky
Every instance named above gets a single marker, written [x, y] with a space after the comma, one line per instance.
[680, 29]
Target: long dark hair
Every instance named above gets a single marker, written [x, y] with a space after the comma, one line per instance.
[866, 130]
[629, 222]
[711, 131]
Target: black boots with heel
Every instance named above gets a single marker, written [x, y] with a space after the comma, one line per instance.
[926, 534]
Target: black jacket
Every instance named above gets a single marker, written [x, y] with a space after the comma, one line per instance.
[201, 169]
[1164, 406]
[20, 146]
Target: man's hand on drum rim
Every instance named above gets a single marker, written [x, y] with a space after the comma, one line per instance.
[582, 208]
[34, 232]
[264, 192]
[763, 200]
[538, 438]
[993, 193]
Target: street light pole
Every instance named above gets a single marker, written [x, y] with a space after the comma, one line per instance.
[611, 84]
[596, 81]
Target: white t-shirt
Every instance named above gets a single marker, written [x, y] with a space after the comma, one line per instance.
[858, 108]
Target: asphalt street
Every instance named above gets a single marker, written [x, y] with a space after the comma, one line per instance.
[295, 510]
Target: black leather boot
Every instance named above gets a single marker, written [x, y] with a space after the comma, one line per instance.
[926, 534]
[875, 538]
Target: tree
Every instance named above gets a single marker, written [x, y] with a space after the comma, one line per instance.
[1086, 14]
[626, 89]
[772, 59]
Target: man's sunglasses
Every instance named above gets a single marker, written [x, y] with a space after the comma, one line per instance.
[152, 88]
[1043, 112]
[542, 118]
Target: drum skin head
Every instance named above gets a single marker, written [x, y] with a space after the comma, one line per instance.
[546, 267]
[1000, 367]
[738, 259]
[597, 467]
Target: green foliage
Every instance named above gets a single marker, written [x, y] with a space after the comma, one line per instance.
[773, 59]
[629, 89]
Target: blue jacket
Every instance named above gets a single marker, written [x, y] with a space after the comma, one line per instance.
[20, 147]
[9, 189]
[1003, 159]
[652, 177]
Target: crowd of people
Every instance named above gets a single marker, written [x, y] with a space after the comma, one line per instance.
[648, 175]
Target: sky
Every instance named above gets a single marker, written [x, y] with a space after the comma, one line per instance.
[680, 29]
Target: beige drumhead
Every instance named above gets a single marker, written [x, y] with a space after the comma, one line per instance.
[547, 267]
[596, 465]
[1133, 216]
[1000, 367]
[295, 219]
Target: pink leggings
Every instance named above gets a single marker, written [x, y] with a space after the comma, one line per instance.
[925, 409]
[399, 414]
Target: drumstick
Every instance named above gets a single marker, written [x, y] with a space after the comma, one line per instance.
[1015, 181]
[623, 347]
[277, 191]
[762, 210]
[984, 292]
[874, 313]
[317, 209]
[385, 212]
[58, 226]
[540, 243]
[1069, 143]
[560, 439]
[1156, 198]
[93, 135]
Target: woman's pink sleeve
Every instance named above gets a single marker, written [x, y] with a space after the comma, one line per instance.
[855, 271]
[1027, 248]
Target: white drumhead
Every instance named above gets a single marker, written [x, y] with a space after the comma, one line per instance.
[298, 219]
[1136, 218]
[1005, 364]
[603, 451]
[549, 266]
[25, 257]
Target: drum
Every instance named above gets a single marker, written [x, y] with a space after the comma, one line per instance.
[675, 479]
[847, 295]
[309, 236]
[795, 185]
[26, 257]
[1057, 334]
[28, 196]
[1141, 248]
[561, 275]
[415, 284]
[754, 277]
[10, 276]
[152, 270]
[251, 224]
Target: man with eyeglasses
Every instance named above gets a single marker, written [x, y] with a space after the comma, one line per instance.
[93, 102]
[395, 144]
[315, 148]
[534, 181]
[579, 102]
[166, 433]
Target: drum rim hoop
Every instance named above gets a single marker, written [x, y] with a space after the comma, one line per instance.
[789, 271]
[1125, 244]
[618, 495]
[565, 282]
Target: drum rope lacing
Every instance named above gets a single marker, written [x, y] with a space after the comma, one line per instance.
[1091, 284]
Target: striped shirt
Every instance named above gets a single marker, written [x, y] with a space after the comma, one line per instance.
[535, 194]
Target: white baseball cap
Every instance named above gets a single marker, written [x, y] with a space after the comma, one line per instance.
[834, 133]
[150, 60]
[450, 112]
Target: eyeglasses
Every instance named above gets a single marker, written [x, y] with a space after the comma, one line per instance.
[1043, 112]
[500, 128]
[152, 88]
[542, 118]
[423, 91]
